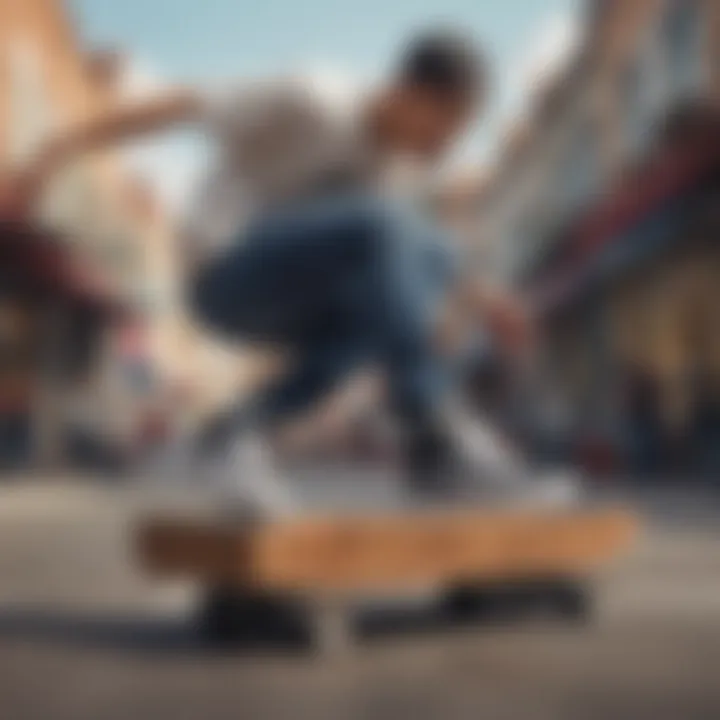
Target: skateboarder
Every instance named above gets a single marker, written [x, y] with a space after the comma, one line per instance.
[296, 241]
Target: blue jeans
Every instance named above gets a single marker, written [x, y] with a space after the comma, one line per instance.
[340, 282]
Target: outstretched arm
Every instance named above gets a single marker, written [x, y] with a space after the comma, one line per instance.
[126, 123]
[502, 314]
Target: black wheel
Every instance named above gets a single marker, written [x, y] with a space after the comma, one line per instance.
[572, 600]
[488, 602]
[231, 616]
[514, 600]
[465, 603]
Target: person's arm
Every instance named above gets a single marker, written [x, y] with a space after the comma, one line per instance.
[126, 123]
[502, 314]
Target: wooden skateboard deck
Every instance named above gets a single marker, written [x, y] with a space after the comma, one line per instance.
[348, 553]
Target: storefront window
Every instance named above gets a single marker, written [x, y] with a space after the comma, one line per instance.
[636, 104]
[682, 41]
[578, 169]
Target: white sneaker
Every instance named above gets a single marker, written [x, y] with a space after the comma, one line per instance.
[241, 480]
[249, 483]
[490, 468]
[556, 489]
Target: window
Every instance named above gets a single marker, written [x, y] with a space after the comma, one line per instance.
[682, 40]
[639, 101]
[630, 90]
[578, 168]
[667, 67]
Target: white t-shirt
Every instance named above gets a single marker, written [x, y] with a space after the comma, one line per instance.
[277, 141]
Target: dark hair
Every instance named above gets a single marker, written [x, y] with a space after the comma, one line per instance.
[444, 61]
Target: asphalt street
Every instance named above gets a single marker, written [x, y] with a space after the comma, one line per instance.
[83, 634]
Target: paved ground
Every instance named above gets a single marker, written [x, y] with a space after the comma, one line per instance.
[82, 635]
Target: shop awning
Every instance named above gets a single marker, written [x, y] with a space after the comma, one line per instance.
[38, 261]
[645, 213]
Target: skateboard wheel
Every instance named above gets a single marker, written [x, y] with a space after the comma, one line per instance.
[567, 599]
[572, 600]
[466, 603]
[230, 616]
[486, 602]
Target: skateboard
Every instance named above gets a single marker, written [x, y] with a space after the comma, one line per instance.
[299, 576]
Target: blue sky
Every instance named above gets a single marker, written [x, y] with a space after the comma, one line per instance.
[216, 39]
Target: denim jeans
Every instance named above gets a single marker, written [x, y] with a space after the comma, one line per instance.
[340, 281]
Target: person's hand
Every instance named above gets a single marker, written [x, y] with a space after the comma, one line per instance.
[511, 324]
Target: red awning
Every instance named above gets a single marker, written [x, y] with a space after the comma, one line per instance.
[672, 172]
[664, 178]
[39, 261]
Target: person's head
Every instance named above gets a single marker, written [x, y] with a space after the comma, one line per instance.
[438, 85]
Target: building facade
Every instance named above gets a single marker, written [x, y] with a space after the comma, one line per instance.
[604, 214]
[92, 224]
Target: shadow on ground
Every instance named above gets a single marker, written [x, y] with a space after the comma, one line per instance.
[286, 627]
